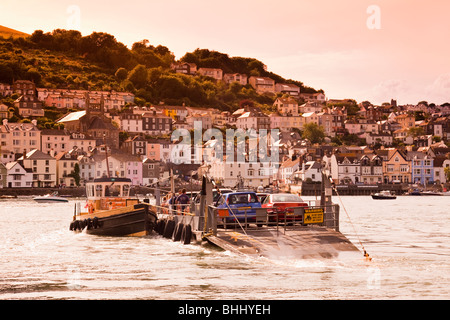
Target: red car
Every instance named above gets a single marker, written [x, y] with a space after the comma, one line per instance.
[281, 205]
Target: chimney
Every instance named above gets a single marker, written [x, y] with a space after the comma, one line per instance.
[5, 122]
[34, 122]
[24, 154]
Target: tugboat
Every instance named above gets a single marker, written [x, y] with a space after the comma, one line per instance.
[112, 212]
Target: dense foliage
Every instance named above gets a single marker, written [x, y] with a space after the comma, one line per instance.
[66, 59]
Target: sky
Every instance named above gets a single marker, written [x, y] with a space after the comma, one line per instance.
[374, 50]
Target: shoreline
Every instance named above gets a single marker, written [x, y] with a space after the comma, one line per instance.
[75, 192]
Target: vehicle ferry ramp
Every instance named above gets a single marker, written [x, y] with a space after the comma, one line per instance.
[311, 232]
[297, 242]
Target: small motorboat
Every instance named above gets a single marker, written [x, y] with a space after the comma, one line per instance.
[384, 195]
[52, 197]
[431, 193]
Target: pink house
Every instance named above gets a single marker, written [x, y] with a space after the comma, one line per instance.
[153, 150]
[134, 171]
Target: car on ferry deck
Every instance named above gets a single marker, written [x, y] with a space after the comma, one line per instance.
[282, 205]
[241, 206]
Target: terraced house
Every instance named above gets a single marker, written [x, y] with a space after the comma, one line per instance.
[422, 167]
[396, 168]
[43, 167]
[19, 137]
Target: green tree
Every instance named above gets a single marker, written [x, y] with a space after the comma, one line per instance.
[75, 174]
[447, 173]
[138, 76]
[415, 131]
[313, 132]
[121, 74]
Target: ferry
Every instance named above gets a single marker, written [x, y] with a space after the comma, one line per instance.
[110, 211]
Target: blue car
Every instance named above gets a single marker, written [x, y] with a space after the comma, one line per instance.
[238, 206]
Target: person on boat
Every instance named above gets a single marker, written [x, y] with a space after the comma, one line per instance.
[182, 200]
[172, 202]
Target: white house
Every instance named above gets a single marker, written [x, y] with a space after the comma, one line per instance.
[344, 169]
[247, 174]
[18, 176]
[287, 169]
[42, 166]
[312, 170]
[119, 165]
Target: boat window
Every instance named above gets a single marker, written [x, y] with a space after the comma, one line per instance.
[90, 191]
[125, 190]
[98, 190]
[114, 190]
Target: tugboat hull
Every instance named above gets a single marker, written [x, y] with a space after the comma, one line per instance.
[135, 220]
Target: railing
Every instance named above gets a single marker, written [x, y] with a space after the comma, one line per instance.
[257, 219]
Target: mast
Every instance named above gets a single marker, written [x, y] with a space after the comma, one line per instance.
[106, 156]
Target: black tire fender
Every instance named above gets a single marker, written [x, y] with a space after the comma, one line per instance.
[177, 232]
[168, 230]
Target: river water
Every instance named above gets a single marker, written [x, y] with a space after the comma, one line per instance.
[407, 238]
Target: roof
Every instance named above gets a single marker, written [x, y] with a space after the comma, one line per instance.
[11, 126]
[290, 163]
[98, 123]
[11, 165]
[73, 116]
[37, 155]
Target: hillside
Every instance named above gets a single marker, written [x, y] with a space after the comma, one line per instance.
[66, 59]
[7, 33]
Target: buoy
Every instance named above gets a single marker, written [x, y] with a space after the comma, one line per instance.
[178, 231]
[168, 230]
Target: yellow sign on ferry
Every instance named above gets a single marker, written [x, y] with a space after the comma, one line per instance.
[313, 216]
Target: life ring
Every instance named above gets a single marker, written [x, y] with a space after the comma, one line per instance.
[168, 230]
[186, 234]
[177, 232]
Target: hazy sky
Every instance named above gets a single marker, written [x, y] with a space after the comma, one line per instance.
[366, 50]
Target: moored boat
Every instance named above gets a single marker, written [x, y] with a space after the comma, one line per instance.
[383, 195]
[415, 192]
[112, 212]
[431, 193]
[49, 198]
